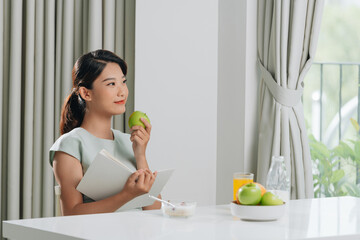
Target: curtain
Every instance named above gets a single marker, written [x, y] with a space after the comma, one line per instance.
[287, 38]
[40, 41]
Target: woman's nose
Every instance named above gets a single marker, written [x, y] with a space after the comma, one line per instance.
[121, 90]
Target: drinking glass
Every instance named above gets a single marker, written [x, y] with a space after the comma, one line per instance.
[239, 179]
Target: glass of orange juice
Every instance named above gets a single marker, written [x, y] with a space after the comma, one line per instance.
[241, 178]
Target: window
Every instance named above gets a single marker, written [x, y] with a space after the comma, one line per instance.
[331, 96]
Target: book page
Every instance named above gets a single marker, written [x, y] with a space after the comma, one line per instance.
[107, 154]
[106, 176]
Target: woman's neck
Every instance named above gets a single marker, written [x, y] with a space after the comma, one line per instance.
[97, 125]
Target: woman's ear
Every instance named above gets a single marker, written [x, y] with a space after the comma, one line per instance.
[85, 93]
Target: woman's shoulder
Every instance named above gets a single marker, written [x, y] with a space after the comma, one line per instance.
[70, 143]
[72, 137]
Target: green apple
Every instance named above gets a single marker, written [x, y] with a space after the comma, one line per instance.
[270, 199]
[249, 194]
[134, 119]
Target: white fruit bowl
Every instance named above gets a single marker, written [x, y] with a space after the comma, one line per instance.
[182, 209]
[257, 212]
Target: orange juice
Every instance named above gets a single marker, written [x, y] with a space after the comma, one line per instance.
[240, 179]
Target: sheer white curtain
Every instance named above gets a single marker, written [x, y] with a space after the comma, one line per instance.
[39, 43]
[287, 38]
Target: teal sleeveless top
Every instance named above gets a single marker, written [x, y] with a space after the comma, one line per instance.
[84, 146]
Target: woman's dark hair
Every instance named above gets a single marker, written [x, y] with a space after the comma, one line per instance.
[86, 69]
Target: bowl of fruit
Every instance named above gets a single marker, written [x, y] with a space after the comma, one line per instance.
[254, 203]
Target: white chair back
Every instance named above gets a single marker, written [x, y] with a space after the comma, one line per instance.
[57, 189]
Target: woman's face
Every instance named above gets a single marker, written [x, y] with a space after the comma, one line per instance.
[109, 93]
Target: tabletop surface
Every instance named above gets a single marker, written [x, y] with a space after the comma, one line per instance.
[324, 218]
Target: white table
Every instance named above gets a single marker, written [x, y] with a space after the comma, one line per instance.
[326, 218]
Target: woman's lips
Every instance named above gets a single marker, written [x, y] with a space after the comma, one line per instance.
[120, 102]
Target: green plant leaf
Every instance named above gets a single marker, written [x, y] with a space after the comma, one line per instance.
[352, 189]
[357, 152]
[337, 176]
[335, 162]
[355, 124]
[318, 150]
[321, 150]
[324, 168]
[344, 150]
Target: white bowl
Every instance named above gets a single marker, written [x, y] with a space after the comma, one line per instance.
[182, 209]
[257, 212]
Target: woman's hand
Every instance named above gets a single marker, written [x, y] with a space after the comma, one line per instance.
[140, 182]
[140, 137]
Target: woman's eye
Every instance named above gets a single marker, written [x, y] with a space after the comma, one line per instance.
[125, 81]
[111, 84]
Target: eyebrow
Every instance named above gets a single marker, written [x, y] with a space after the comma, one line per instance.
[111, 78]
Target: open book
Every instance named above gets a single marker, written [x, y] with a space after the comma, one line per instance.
[106, 176]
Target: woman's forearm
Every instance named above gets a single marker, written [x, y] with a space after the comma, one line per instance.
[107, 205]
[156, 205]
[141, 163]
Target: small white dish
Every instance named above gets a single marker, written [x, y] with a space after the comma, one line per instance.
[257, 212]
[181, 209]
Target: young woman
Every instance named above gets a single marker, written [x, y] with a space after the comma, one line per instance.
[99, 92]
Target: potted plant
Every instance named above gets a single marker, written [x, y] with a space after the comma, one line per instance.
[329, 178]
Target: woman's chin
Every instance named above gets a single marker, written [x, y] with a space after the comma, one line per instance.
[119, 112]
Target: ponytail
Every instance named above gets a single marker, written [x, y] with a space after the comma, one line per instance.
[72, 113]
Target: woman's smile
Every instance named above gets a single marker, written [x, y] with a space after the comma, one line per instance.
[120, 102]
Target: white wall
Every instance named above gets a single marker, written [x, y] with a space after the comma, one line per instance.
[231, 92]
[195, 77]
[237, 94]
[251, 89]
[176, 85]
